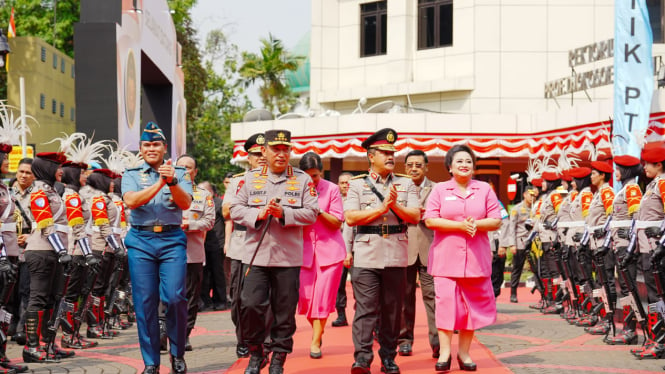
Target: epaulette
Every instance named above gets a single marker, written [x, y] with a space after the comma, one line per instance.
[239, 174]
[359, 176]
[180, 167]
[402, 175]
[134, 168]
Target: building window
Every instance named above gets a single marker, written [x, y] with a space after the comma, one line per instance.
[655, 8]
[373, 28]
[62, 109]
[435, 23]
[62, 65]
[42, 101]
[55, 61]
[43, 54]
[71, 114]
[72, 71]
[54, 105]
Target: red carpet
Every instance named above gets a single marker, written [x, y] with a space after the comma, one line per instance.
[338, 349]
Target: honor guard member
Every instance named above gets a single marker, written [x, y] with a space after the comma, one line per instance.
[196, 222]
[234, 247]
[649, 219]
[275, 200]
[420, 239]
[79, 244]
[45, 253]
[9, 251]
[157, 193]
[380, 204]
[551, 202]
[21, 192]
[626, 204]
[600, 210]
[518, 233]
[579, 210]
[105, 244]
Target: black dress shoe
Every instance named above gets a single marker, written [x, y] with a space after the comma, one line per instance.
[360, 367]
[150, 369]
[443, 366]
[389, 366]
[277, 363]
[405, 350]
[178, 365]
[471, 366]
[435, 351]
[256, 363]
[242, 351]
[513, 298]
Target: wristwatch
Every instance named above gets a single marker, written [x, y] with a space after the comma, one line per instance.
[174, 181]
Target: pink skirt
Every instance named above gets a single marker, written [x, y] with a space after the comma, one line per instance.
[464, 303]
[318, 290]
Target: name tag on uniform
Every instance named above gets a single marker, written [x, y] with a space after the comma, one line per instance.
[448, 198]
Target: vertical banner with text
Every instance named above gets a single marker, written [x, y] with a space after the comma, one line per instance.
[633, 75]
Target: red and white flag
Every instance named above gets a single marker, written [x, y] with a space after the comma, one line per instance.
[11, 32]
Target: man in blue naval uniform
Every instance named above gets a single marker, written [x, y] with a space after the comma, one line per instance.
[157, 192]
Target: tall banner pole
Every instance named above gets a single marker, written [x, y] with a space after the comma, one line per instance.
[633, 76]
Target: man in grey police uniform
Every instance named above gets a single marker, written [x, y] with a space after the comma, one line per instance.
[380, 205]
[280, 199]
[157, 193]
[196, 222]
[235, 233]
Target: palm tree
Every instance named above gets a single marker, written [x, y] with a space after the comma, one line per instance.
[269, 67]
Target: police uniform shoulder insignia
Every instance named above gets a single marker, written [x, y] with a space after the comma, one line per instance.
[74, 211]
[98, 211]
[41, 209]
[264, 170]
[133, 169]
[209, 201]
[312, 189]
[402, 175]
[360, 176]
[240, 184]
[239, 174]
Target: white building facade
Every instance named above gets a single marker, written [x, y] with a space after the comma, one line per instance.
[512, 78]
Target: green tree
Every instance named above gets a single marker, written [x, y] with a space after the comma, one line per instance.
[269, 67]
[51, 20]
[224, 102]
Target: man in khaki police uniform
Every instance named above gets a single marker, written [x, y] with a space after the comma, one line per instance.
[196, 222]
[280, 199]
[380, 204]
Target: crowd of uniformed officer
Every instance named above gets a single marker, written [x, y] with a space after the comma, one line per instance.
[63, 259]
[587, 242]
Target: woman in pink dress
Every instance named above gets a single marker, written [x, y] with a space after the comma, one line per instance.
[461, 211]
[323, 253]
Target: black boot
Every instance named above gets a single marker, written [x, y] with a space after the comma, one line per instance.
[32, 352]
[341, 319]
[7, 365]
[257, 359]
[277, 363]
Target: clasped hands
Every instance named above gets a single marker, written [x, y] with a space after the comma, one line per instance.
[469, 226]
[390, 200]
[166, 171]
[274, 208]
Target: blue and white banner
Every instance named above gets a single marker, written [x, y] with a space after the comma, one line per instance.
[633, 75]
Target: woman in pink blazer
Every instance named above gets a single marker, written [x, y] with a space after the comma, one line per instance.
[323, 253]
[461, 211]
